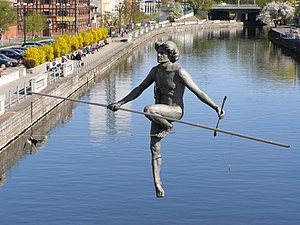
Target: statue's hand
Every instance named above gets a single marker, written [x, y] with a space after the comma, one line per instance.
[221, 112]
[114, 106]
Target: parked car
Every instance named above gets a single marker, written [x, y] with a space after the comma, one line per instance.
[18, 50]
[11, 53]
[31, 44]
[23, 49]
[6, 61]
[46, 42]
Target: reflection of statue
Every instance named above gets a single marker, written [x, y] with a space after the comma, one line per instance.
[170, 81]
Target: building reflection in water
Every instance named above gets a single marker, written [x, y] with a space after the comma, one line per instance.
[103, 122]
[118, 82]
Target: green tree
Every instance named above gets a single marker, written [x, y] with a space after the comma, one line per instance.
[201, 5]
[175, 11]
[120, 7]
[36, 22]
[7, 15]
[136, 15]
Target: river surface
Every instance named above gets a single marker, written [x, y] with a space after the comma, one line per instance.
[95, 166]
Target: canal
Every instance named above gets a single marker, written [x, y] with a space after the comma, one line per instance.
[94, 167]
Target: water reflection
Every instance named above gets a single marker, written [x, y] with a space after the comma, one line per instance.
[103, 122]
[10, 155]
[112, 88]
[261, 58]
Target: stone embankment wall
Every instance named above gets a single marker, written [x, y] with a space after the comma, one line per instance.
[288, 41]
[20, 118]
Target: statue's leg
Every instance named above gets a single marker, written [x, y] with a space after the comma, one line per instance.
[163, 110]
[156, 159]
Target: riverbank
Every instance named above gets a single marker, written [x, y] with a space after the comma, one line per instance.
[19, 118]
[285, 38]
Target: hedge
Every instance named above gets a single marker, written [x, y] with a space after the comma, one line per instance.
[63, 45]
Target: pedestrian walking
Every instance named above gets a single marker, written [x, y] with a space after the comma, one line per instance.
[78, 59]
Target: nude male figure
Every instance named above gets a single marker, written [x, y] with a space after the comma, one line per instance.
[170, 81]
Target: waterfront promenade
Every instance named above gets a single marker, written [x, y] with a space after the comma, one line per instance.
[98, 56]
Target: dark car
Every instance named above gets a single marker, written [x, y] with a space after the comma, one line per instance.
[19, 50]
[6, 61]
[31, 44]
[23, 49]
[12, 54]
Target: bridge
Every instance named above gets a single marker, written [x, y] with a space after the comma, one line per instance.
[240, 12]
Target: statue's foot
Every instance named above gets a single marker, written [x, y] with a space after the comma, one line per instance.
[159, 191]
[164, 132]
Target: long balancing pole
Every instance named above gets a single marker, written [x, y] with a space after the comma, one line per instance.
[171, 119]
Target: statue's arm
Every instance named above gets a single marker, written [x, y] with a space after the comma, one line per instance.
[202, 96]
[136, 92]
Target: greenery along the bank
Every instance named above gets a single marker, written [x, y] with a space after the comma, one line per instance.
[62, 46]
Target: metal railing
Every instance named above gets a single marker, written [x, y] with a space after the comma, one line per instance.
[15, 96]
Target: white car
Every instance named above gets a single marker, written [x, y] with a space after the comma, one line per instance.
[31, 44]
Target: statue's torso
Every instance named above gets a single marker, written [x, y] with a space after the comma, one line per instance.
[169, 86]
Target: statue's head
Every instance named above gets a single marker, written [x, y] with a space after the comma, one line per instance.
[171, 48]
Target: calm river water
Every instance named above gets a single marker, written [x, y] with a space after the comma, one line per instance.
[95, 166]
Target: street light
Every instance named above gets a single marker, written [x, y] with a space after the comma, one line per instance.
[88, 5]
[24, 21]
[158, 9]
[184, 6]
[62, 14]
[25, 12]
[120, 8]
[76, 19]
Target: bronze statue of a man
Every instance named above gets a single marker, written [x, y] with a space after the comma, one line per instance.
[170, 81]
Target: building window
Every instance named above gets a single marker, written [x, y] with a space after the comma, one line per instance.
[62, 13]
[47, 13]
[46, 2]
[63, 25]
[63, 1]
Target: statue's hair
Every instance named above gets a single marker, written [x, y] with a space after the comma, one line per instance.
[171, 48]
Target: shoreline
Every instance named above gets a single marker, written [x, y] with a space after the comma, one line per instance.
[283, 38]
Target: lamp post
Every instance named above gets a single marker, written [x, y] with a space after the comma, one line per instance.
[89, 9]
[88, 5]
[62, 17]
[24, 21]
[158, 9]
[61, 14]
[184, 6]
[76, 22]
[120, 8]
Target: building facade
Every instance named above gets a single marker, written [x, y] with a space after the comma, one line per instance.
[63, 16]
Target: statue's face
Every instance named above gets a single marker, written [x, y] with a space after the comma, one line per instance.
[162, 55]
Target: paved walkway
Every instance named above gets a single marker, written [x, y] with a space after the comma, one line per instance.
[100, 55]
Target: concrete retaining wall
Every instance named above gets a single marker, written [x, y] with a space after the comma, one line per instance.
[285, 40]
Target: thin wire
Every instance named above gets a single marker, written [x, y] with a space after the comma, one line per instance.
[91, 135]
[172, 119]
